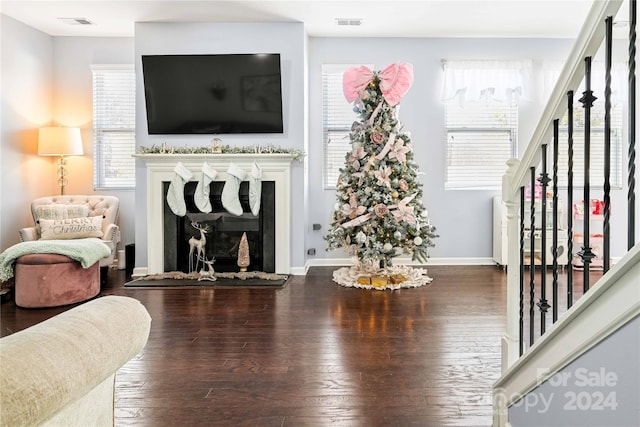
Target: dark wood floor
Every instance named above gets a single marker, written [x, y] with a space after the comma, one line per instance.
[313, 353]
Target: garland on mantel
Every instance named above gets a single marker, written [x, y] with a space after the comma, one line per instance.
[222, 149]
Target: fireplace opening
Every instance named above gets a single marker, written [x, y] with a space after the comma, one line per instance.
[219, 232]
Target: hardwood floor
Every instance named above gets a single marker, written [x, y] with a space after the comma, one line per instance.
[313, 353]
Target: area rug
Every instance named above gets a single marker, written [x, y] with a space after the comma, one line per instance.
[178, 279]
[389, 278]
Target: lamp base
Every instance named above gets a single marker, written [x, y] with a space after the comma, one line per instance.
[62, 174]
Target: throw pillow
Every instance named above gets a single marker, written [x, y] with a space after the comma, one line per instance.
[61, 211]
[71, 228]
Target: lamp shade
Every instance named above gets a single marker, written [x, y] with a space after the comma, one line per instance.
[59, 141]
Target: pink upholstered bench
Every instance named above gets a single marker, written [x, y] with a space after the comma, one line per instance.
[50, 280]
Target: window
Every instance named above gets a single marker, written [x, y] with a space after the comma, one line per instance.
[337, 117]
[481, 119]
[481, 137]
[114, 91]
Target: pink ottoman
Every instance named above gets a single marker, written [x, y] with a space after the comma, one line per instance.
[50, 280]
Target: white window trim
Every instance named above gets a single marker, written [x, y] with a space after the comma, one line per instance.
[100, 182]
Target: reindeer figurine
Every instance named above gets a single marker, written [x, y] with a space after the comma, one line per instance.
[209, 273]
[197, 246]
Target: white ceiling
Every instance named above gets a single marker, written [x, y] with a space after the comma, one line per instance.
[399, 18]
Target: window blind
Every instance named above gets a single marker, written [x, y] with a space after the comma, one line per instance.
[481, 137]
[337, 117]
[114, 94]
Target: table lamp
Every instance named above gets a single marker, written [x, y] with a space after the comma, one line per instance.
[60, 141]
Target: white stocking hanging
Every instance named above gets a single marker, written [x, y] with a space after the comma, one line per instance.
[201, 196]
[255, 188]
[175, 195]
[230, 197]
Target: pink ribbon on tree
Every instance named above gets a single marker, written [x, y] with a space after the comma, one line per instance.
[400, 211]
[395, 81]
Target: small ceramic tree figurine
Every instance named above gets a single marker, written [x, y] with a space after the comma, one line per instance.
[243, 253]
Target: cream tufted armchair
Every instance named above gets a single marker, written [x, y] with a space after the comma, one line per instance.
[96, 205]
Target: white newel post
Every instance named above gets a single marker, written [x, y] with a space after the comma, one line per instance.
[275, 167]
[510, 342]
[511, 339]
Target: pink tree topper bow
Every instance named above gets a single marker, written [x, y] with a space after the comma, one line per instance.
[395, 81]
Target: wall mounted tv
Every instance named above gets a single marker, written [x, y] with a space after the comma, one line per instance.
[213, 94]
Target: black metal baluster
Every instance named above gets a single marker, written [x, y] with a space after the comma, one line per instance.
[587, 102]
[631, 182]
[570, 199]
[521, 270]
[532, 265]
[554, 249]
[607, 144]
[543, 304]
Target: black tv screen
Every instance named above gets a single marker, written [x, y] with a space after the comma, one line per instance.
[213, 94]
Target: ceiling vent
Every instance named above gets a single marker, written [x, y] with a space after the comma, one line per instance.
[76, 21]
[349, 22]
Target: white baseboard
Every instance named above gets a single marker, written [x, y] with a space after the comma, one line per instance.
[139, 272]
[300, 271]
[329, 262]
[341, 262]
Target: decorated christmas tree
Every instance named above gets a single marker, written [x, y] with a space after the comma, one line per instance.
[379, 213]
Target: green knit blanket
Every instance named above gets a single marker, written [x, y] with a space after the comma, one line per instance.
[87, 251]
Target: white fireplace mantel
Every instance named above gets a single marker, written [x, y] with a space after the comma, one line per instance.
[160, 169]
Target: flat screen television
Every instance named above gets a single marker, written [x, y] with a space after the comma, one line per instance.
[213, 94]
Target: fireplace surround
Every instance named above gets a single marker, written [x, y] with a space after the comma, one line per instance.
[276, 168]
[224, 231]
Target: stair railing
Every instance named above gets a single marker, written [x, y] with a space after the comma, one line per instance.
[522, 174]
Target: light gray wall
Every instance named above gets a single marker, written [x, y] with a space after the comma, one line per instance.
[27, 104]
[73, 105]
[287, 39]
[463, 218]
[47, 80]
[56, 88]
[600, 388]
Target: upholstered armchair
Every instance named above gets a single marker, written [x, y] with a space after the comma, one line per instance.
[89, 207]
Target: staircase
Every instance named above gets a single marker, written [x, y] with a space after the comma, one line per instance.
[546, 363]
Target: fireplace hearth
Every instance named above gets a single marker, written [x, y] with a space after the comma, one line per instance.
[221, 240]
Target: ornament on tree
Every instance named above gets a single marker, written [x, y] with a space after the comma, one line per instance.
[379, 212]
[243, 253]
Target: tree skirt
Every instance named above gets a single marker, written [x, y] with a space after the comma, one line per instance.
[369, 277]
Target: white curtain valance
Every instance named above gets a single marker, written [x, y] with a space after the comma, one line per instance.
[471, 80]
